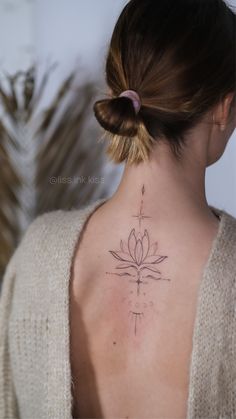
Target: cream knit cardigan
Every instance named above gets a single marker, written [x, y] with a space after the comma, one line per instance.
[35, 375]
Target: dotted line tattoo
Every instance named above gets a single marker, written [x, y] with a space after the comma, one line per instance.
[138, 262]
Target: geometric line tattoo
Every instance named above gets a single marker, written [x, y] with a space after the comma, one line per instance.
[138, 260]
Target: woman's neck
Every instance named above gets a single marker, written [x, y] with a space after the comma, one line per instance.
[174, 190]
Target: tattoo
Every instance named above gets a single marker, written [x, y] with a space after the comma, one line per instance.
[136, 315]
[138, 261]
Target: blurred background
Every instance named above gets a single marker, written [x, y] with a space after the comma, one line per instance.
[52, 59]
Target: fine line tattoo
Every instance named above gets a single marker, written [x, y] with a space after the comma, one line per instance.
[138, 259]
[136, 316]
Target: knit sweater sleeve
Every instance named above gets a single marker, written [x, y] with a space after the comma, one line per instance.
[8, 404]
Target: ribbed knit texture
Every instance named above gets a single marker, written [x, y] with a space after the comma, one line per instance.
[35, 374]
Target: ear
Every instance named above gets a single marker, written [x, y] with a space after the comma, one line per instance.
[223, 110]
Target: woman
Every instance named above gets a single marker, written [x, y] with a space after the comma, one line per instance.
[126, 308]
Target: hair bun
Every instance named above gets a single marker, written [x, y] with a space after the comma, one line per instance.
[117, 116]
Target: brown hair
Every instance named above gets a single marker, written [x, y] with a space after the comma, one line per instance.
[179, 56]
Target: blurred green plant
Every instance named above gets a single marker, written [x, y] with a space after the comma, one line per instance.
[46, 156]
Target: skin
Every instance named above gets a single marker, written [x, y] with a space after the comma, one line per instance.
[120, 351]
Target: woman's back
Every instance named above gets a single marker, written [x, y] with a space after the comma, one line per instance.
[35, 329]
[150, 325]
[133, 309]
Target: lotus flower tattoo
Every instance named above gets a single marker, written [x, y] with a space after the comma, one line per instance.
[138, 260]
[138, 254]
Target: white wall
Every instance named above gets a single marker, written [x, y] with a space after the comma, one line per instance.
[16, 34]
[70, 30]
[75, 33]
[221, 179]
